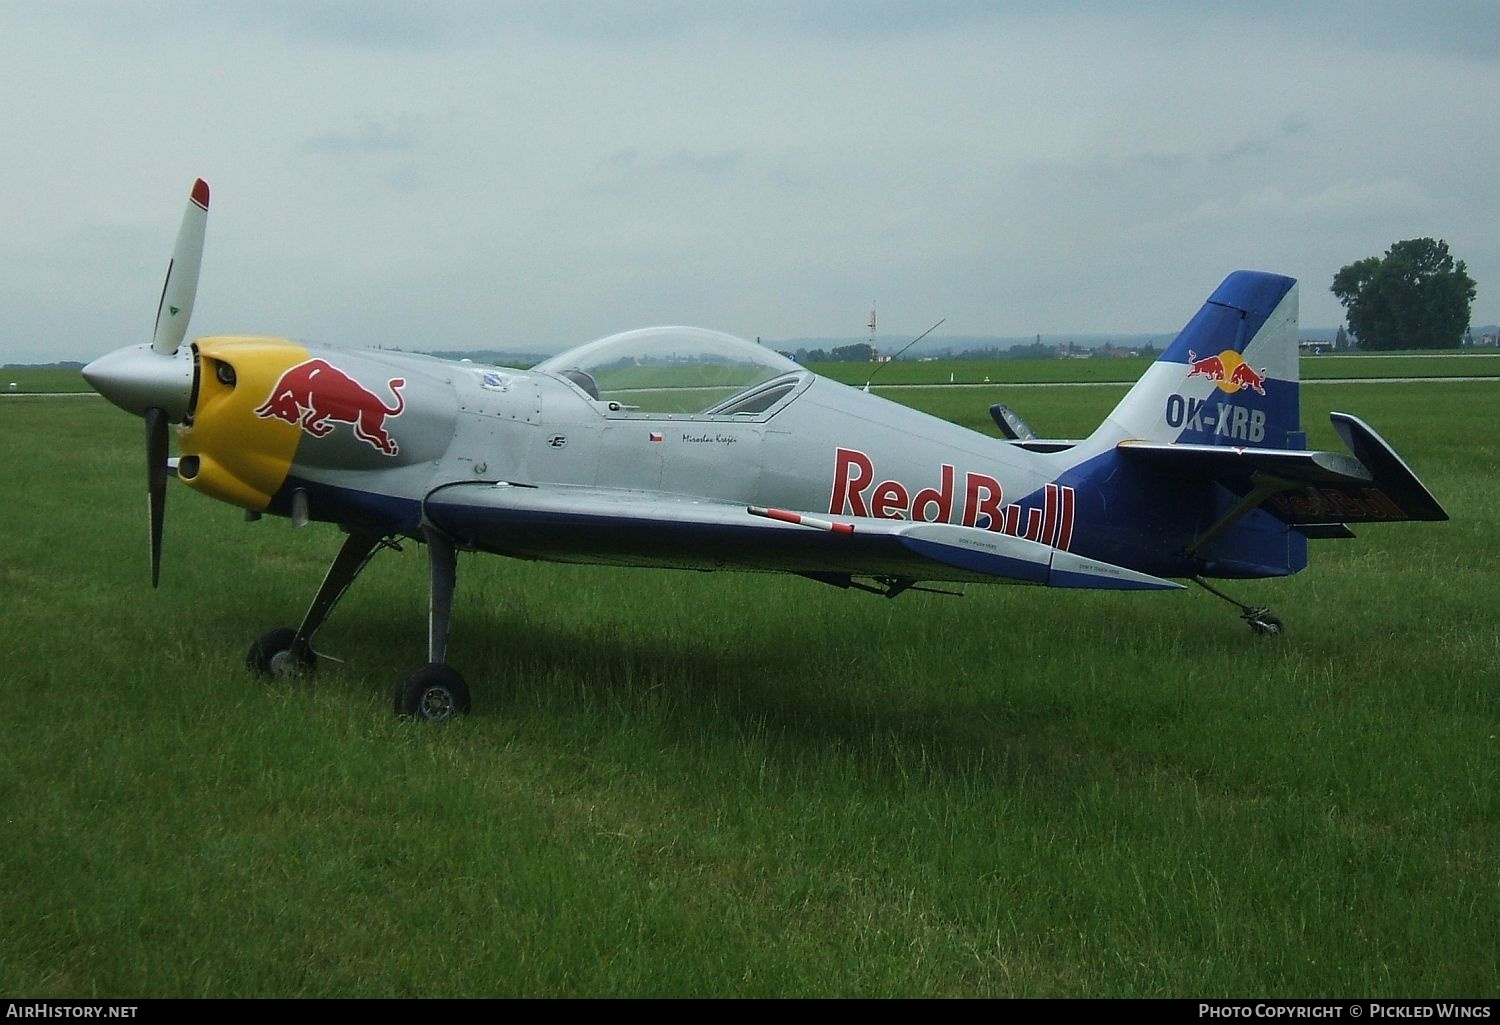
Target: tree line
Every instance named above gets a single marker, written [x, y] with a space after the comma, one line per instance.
[1415, 297]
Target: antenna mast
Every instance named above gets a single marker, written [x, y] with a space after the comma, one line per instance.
[908, 345]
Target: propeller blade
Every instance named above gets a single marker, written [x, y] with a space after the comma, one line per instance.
[181, 285]
[156, 481]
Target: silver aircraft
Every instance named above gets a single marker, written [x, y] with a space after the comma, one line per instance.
[687, 448]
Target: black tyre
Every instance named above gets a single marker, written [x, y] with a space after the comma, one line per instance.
[1266, 625]
[434, 693]
[272, 656]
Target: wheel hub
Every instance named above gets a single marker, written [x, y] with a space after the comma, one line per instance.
[436, 704]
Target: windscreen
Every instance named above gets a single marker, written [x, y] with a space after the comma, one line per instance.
[669, 369]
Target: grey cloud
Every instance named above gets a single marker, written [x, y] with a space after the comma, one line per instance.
[370, 138]
[711, 164]
[629, 164]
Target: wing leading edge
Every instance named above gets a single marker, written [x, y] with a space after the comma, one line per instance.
[566, 523]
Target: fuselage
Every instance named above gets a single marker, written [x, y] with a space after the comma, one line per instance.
[361, 437]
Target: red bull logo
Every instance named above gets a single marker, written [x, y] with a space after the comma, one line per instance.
[1229, 371]
[1243, 377]
[316, 394]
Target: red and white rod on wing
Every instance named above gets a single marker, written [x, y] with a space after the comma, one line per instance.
[801, 520]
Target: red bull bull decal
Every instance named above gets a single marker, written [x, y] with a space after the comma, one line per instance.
[315, 392]
[1229, 371]
[855, 493]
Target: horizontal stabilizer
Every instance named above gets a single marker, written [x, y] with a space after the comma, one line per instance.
[1390, 471]
[1325, 531]
[1011, 425]
[1318, 489]
[1020, 433]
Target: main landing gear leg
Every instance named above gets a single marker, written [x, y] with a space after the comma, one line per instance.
[435, 693]
[288, 652]
[1258, 616]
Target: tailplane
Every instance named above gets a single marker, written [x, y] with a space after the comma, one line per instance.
[1207, 449]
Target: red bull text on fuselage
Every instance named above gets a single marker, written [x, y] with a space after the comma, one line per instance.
[855, 493]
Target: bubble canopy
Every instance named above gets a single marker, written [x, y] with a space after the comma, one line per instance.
[669, 369]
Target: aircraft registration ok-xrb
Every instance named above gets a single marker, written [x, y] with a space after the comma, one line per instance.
[687, 448]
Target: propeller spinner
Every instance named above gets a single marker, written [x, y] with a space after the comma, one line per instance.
[158, 381]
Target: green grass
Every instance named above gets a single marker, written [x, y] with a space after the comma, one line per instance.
[31, 380]
[683, 784]
[1127, 371]
[1017, 371]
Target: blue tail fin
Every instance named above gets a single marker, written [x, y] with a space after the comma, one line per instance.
[1229, 380]
[1229, 377]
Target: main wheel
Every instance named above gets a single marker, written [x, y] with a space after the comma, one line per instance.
[272, 655]
[434, 693]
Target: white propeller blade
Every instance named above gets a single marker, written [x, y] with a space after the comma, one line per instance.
[181, 286]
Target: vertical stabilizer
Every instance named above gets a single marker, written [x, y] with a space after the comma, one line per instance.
[1229, 377]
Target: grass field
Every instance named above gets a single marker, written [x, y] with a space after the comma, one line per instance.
[1009, 371]
[685, 784]
[1125, 371]
[31, 380]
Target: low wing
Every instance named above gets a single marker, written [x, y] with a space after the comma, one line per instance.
[567, 523]
[1315, 491]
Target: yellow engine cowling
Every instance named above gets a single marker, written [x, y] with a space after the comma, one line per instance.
[227, 451]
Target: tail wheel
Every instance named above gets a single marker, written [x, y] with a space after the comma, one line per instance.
[433, 693]
[272, 655]
[1262, 622]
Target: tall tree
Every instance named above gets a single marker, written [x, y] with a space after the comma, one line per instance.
[1415, 297]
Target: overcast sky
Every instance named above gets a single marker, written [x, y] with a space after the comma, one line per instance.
[532, 175]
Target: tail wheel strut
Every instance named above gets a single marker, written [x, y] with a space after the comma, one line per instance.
[1258, 616]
